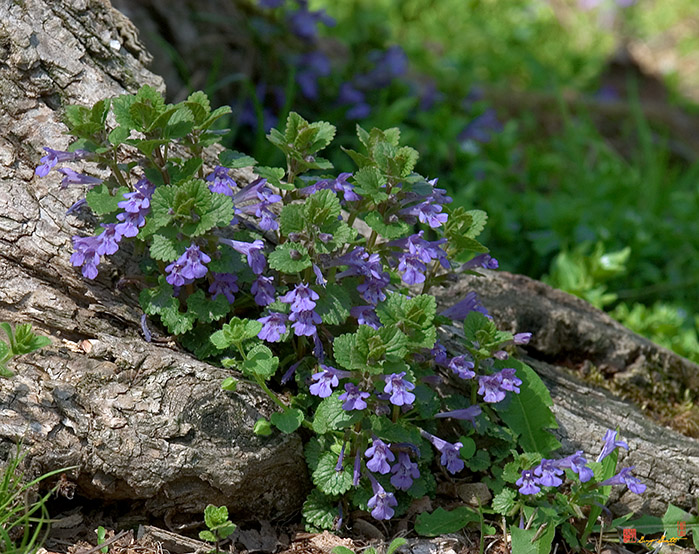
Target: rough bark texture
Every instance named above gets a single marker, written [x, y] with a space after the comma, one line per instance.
[141, 421]
[569, 334]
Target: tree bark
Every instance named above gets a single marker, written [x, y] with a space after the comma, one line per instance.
[140, 421]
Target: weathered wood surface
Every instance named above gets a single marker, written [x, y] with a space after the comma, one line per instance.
[141, 421]
[147, 422]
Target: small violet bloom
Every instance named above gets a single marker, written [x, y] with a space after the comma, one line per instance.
[85, 255]
[610, 443]
[188, 267]
[302, 298]
[366, 315]
[404, 471]
[353, 398]
[225, 284]
[304, 323]
[450, 452]
[489, 386]
[263, 290]
[398, 388]
[577, 463]
[486, 261]
[74, 178]
[469, 414]
[253, 252]
[220, 181]
[624, 477]
[327, 380]
[381, 504]
[460, 310]
[509, 381]
[274, 326]
[109, 239]
[547, 472]
[522, 338]
[53, 157]
[463, 367]
[380, 454]
[527, 483]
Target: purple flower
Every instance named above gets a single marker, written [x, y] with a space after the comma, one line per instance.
[253, 252]
[341, 457]
[305, 322]
[489, 386]
[188, 267]
[53, 157]
[109, 239]
[462, 366]
[130, 223]
[509, 381]
[450, 452]
[398, 388]
[76, 206]
[610, 443]
[547, 471]
[303, 21]
[226, 284]
[138, 201]
[85, 255]
[353, 398]
[339, 185]
[144, 328]
[274, 326]
[311, 66]
[439, 353]
[404, 471]
[522, 338]
[327, 380]
[469, 414]
[221, 182]
[624, 477]
[357, 473]
[320, 280]
[527, 483]
[302, 298]
[486, 261]
[366, 315]
[380, 454]
[263, 290]
[360, 262]
[576, 462]
[460, 310]
[381, 504]
[74, 178]
[289, 373]
[481, 128]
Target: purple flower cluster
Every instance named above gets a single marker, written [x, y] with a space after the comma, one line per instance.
[303, 315]
[87, 250]
[494, 387]
[189, 267]
[53, 157]
[360, 263]
[253, 199]
[340, 185]
[460, 310]
[548, 471]
[450, 458]
[415, 254]
[427, 209]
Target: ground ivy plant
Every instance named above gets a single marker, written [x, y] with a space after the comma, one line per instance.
[272, 279]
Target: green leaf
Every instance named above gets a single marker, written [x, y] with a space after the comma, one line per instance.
[159, 299]
[177, 322]
[235, 332]
[522, 540]
[322, 206]
[118, 135]
[332, 306]
[370, 183]
[479, 461]
[393, 230]
[346, 354]
[287, 421]
[205, 309]
[166, 249]
[207, 536]
[413, 316]
[468, 449]
[274, 176]
[260, 362]
[229, 384]
[179, 124]
[319, 511]
[399, 432]
[121, 107]
[330, 416]
[292, 219]
[236, 160]
[504, 501]
[478, 221]
[214, 516]
[198, 103]
[529, 413]
[342, 550]
[290, 257]
[405, 160]
[441, 521]
[396, 544]
[104, 201]
[262, 428]
[328, 480]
